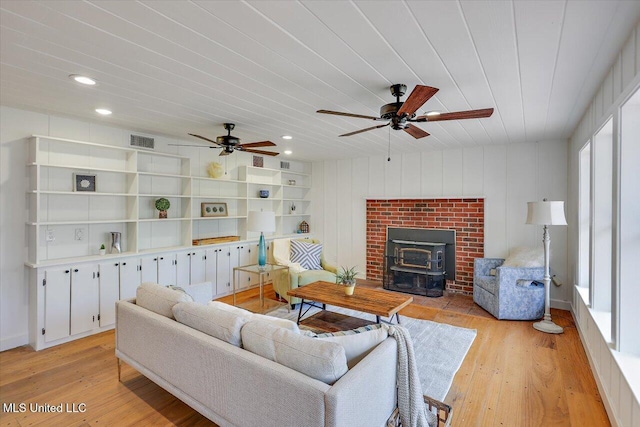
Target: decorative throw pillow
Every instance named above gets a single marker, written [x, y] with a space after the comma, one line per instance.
[306, 254]
[358, 342]
[159, 299]
[319, 359]
[523, 257]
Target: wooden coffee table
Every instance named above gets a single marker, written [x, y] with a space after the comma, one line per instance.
[372, 301]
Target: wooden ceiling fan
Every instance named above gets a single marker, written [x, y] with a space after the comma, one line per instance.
[400, 114]
[230, 143]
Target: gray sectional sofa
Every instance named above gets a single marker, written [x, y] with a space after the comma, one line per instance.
[234, 387]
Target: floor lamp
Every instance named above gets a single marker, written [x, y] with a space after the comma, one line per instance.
[264, 222]
[546, 213]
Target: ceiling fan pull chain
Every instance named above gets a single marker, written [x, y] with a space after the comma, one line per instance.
[389, 147]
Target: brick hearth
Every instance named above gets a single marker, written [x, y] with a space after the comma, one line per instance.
[465, 216]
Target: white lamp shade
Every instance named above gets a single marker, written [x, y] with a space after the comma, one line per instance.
[261, 221]
[546, 213]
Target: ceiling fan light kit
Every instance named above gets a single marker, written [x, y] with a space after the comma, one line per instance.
[400, 114]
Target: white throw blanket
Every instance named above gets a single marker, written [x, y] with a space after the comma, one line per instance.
[413, 411]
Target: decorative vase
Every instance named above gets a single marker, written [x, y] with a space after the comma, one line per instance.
[162, 214]
[263, 194]
[262, 252]
[115, 242]
[349, 288]
[103, 251]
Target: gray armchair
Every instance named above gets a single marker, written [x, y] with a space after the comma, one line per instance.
[510, 293]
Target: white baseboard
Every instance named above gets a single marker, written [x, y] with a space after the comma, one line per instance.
[560, 304]
[13, 342]
[603, 393]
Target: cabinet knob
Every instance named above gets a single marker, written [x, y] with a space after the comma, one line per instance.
[155, 259]
[124, 263]
[161, 257]
[76, 270]
[66, 271]
[116, 264]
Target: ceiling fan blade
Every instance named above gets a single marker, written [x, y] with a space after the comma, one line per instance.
[192, 145]
[418, 97]
[338, 113]
[364, 130]
[457, 115]
[206, 139]
[415, 131]
[257, 144]
[249, 150]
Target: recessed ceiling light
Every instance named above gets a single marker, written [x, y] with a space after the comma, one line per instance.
[83, 79]
[433, 113]
[103, 111]
[287, 137]
[287, 152]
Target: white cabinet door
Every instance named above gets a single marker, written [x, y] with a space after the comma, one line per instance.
[198, 267]
[129, 278]
[57, 307]
[211, 267]
[183, 266]
[84, 298]
[149, 269]
[167, 269]
[244, 258]
[223, 270]
[109, 291]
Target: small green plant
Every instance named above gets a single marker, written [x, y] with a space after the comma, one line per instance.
[102, 247]
[347, 276]
[163, 204]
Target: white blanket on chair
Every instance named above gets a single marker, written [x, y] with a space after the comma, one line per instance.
[413, 411]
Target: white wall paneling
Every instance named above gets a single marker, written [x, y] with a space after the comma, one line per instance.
[616, 372]
[506, 189]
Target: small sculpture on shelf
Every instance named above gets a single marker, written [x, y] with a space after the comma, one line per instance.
[215, 170]
[162, 205]
[103, 250]
[293, 208]
[304, 227]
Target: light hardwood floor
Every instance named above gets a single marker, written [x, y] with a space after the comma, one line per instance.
[513, 375]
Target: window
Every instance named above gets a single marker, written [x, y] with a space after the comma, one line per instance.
[584, 215]
[628, 288]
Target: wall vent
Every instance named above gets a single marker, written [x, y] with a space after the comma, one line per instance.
[142, 142]
[284, 165]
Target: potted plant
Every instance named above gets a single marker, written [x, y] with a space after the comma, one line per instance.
[163, 206]
[103, 250]
[347, 278]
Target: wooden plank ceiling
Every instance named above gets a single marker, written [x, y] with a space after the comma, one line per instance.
[174, 67]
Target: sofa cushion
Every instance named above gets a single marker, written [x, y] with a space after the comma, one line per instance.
[306, 254]
[280, 323]
[319, 359]
[311, 276]
[218, 323]
[160, 299]
[358, 342]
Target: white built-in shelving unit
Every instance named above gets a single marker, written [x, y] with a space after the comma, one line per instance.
[67, 224]
[73, 289]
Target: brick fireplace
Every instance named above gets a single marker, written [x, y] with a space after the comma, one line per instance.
[465, 216]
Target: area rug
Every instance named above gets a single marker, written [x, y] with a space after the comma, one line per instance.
[439, 348]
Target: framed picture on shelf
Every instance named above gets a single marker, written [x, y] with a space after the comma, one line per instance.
[213, 209]
[84, 182]
[258, 161]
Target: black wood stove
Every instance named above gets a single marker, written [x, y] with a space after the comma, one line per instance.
[415, 265]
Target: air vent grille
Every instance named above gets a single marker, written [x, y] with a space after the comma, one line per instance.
[284, 165]
[142, 142]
